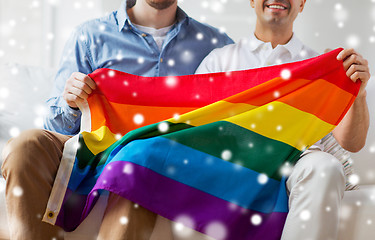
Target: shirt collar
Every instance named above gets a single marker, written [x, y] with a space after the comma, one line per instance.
[122, 16]
[294, 46]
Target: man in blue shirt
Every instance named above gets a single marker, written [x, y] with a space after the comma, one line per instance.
[146, 37]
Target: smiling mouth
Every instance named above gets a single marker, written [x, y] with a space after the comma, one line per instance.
[276, 6]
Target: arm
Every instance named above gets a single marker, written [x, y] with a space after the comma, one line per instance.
[351, 133]
[71, 85]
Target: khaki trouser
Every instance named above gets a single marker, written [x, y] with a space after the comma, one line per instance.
[30, 166]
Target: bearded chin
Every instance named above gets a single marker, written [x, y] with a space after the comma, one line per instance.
[160, 5]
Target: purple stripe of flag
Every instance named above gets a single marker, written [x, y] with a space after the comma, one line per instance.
[174, 200]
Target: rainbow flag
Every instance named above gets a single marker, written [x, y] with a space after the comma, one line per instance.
[219, 158]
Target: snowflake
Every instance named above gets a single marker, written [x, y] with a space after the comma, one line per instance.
[14, 132]
[171, 62]
[12, 23]
[305, 215]
[111, 73]
[183, 226]
[353, 41]
[262, 179]
[128, 169]
[353, 179]
[199, 36]
[187, 56]
[216, 229]
[345, 212]
[12, 42]
[82, 38]
[77, 145]
[176, 116]
[276, 94]
[217, 7]
[171, 170]
[205, 4]
[77, 5]
[171, 82]
[35, 4]
[286, 74]
[163, 127]
[118, 136]
[286, 169]
[123, 220]
[138, 119]
[4, 92]
[38, 122]
[340, 14]
[256, 219]
[50, 36]
[90, 4]
[226, 155]
[17, 191]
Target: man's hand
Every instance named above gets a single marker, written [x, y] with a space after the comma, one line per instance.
[77, 88]
[352, 131]
[356, 68]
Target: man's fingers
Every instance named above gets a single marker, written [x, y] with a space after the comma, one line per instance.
[345, 53]
[354, 59]
[363, 76]
[81, 85]
[356, 68]
[85, 79]
[78, 92]
[72, 99]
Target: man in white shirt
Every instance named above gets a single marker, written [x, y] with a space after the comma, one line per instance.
[314, 200]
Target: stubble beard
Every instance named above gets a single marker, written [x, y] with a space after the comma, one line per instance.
[160, 5]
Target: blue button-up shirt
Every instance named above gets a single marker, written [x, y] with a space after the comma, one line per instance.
[114, 42]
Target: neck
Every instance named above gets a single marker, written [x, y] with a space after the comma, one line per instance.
[276, 35]
[145, 15]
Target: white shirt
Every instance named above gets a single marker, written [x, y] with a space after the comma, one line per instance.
[251, 53]
[159, 35]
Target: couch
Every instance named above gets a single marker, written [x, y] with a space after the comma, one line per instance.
[23, 90]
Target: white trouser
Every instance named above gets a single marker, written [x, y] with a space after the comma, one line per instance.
[316, 186]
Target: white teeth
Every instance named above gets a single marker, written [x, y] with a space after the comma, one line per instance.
[276, 7]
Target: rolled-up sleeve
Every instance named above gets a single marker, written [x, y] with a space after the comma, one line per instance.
[76, 57]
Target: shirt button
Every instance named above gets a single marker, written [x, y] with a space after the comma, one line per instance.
[144, 35]
[69, 126]
[161, 60]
